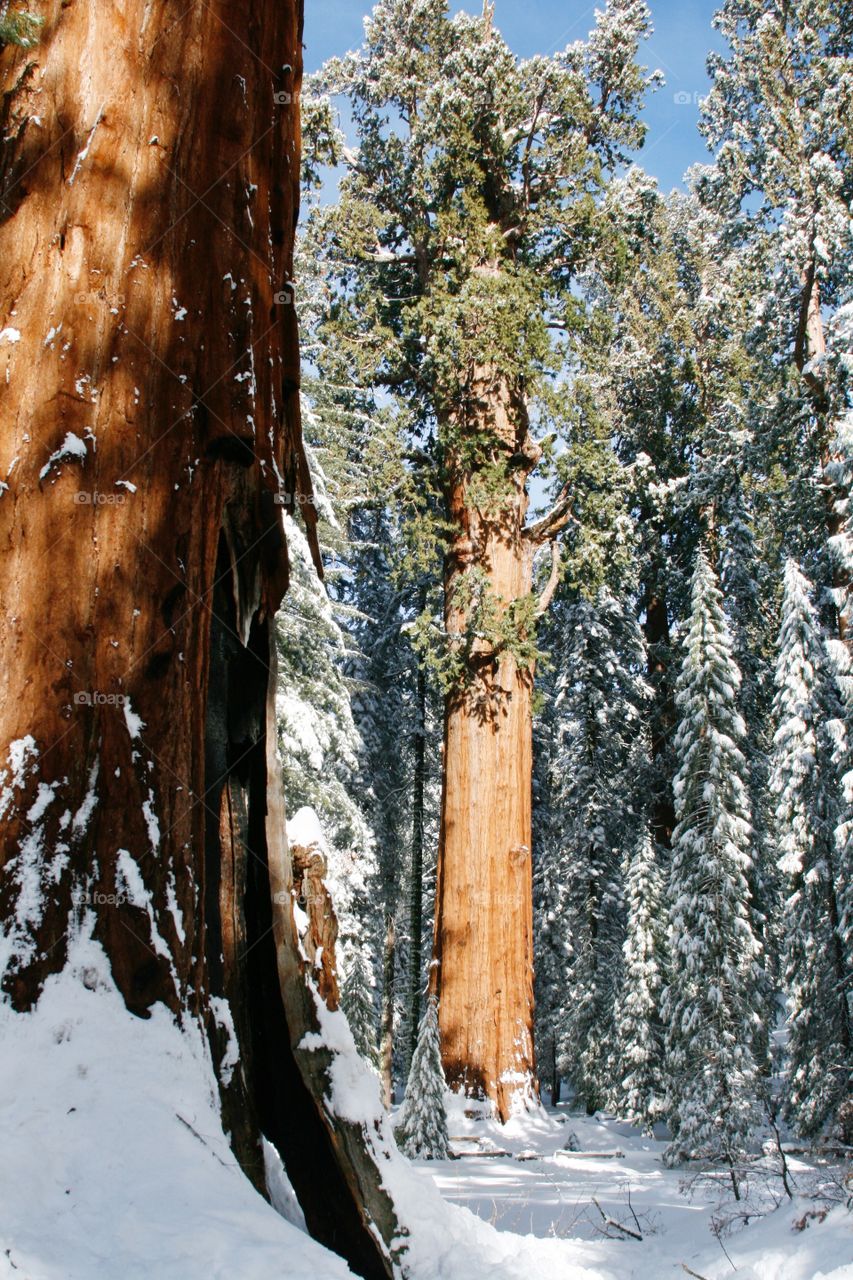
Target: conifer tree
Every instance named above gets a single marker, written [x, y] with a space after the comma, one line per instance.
[357, 1004]
[709, 1006]
[553, 949]
[776, 116]
[422, 1127]
[599, 760]
[467, 212]
[640, 1096]
[807, 713]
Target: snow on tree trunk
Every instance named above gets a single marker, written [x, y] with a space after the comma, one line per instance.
[149, 380]
[709, 1007]
[422, 1124]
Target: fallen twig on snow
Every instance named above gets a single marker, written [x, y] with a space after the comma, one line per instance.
[617, 1226]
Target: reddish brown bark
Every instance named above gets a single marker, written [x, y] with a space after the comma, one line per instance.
[319, 935]
[484, 914]
[149, 421]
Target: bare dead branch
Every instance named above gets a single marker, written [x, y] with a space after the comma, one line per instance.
[553, 521]
[553, 580]
[617, 1226]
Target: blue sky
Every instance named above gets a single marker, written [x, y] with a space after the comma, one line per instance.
[682, 39]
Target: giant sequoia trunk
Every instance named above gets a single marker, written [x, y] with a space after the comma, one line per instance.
[149, 390]
[484, 897]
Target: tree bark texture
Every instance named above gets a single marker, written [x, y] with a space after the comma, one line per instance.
[149, 430]
[483, 941]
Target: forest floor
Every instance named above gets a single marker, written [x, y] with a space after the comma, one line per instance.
[115, 1167]
[688, 1224]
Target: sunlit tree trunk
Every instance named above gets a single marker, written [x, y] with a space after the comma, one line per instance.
[149, 423]
[484, 895]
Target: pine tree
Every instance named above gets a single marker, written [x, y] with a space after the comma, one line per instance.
[807, 714]
[781, 178]
[422, 1128]
[357, 1004]
[551, 929]
[640, 1033]
[599, 759]
[709, 1006]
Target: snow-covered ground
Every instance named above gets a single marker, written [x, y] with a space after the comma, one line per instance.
[547, 1191]
[114, 1167]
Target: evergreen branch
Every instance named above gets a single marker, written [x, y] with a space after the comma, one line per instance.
[19, 28]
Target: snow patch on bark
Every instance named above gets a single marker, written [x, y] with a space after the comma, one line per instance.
[81, 818]
[72, 448]
[131, 886]
[27, 870]
[135, 724]
[224, 1019]
[151, 822]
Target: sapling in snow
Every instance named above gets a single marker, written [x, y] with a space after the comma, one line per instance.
[422, 1128]
[357, 1004]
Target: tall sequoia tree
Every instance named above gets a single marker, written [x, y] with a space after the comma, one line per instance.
[467, 211]
[149, 430]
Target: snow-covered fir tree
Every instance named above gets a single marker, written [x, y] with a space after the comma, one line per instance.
[357, 1002]
[710, 1004]
[807, 715]
[598, 760]
[640, 1033]
[838, 478]
[781, 180]
[421, 1130]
